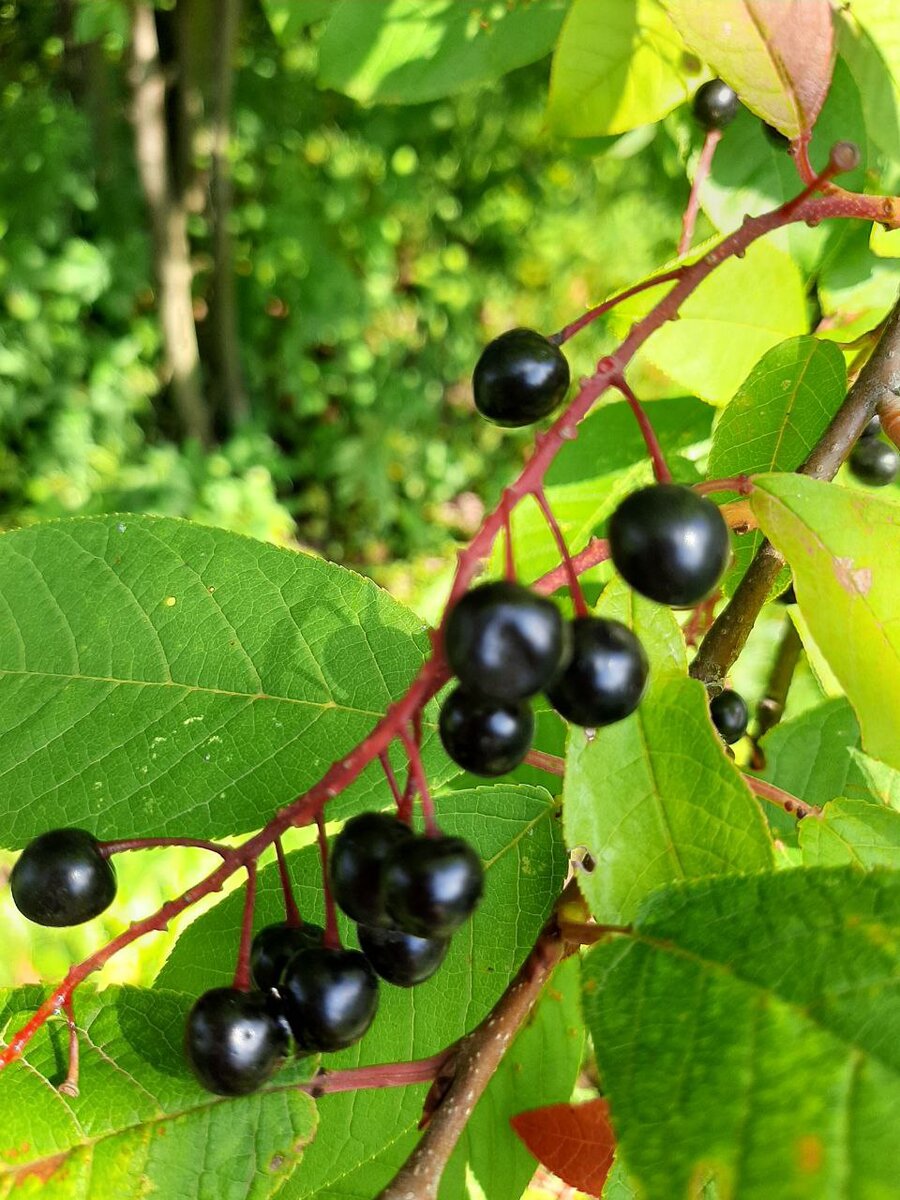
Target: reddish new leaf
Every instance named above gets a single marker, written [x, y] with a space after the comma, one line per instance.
[777, 54]
[574, 1141]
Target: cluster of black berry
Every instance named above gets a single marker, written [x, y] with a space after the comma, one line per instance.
[408, 894]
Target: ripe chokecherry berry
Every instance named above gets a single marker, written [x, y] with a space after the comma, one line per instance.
[606, 677]
[484, 736]
[730, 715]
[872, 429]
[715, 105]
[402, 958]
[356, 861]
[874, 462]
[62, 878]
[233, 1042]
[273, 945]
[520, 377]
[433, 885]
[505, 642]
[670, 544]
[329, 998]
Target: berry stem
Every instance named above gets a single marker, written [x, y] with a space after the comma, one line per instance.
[599, 310]
[581, 608]
[332, 939]
[242, 970]
[420, 782]
[776, 795]
[660, 467]
[701, 172]
[546, 762]
[291, 911]
[383, 1075]
[400, 799]
[742, 484]
[586, 933]
[509, 556]
[108, 849]
[595, 552]
[69, 1086]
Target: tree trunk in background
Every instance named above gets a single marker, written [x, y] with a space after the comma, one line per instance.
[225, 346]
[168, 219]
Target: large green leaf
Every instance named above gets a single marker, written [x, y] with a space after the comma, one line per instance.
[751, 1030]
[409, 51]
[740, 311]
[869, 42]
[654, 798]
[779, 413]
[844, 547]
[852, 831]
[363, 1138]
[619, 64]
[880, 781]
[158, 677]
[289, 18]
[141, 1124]
[777, 54]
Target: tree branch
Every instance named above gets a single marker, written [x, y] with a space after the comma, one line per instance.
[729, 632]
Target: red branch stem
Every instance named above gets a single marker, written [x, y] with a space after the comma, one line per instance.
[776, 795]
[742, 484]
[291, 911]
[546, 762]
[701, 173]
[420, 780]
[108, 849]
[581, 608]
[332, 937]
[661, 471]
[242, 970]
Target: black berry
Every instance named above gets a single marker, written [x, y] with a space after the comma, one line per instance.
[874, 462]
[329, 998]
[519, 378]
[484, 736]
[788, 596]
[505, 642]
[606, 676]
[402, 958]
[670, 544]
[233, 1042]
[62, 878]
[715, 105]
[433, 885]
[356, 860]
[274, 945]
[872, 429]
[730, 715]
[778, 139]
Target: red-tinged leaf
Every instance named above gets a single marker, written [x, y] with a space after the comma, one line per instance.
[778, 55]
[574, 1141]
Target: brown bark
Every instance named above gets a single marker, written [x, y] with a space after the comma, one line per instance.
[168, 222]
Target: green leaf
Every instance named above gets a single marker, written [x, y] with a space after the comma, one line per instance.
[288, 18]
[869, 42]
[809, 756]
[844, 548]
[751, 1031]
[881, 782]
[141, 1123]
[854, 832]
[158, 677]
[540, 1067]
[777, 56]
[619, 64]
[654, 798]
[779, 413]
[654, 624]
[743, 309]
[410, 51]
[855, 286]
[516, 832]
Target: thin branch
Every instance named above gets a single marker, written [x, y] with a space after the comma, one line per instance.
[701, 172]
[599, 310]
[587, 933]
[69, 1086]
[581, 608]
[291, 911]
[729, 632]
[332, 937]
[776, 795]
[546, 762]
[771, 708]
[422, 1070]
[242, 970]
[108, 849]
[742, 484]
[661, 470]
[420, 782]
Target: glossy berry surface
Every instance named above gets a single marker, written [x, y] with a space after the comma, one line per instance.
[730, 715]
[233, 1042]
[402, 958]
[356, 860]
[715, 105]
[519, 378]
[606, 676]
[330, 998]
[433, 885]
[274, 945]
[872, 429]
[61, 878]
[484, 736]
[505, 642]
[874, 462]
[670, 544]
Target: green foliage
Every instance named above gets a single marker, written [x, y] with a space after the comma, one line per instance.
[731, 996]
[853, 832]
